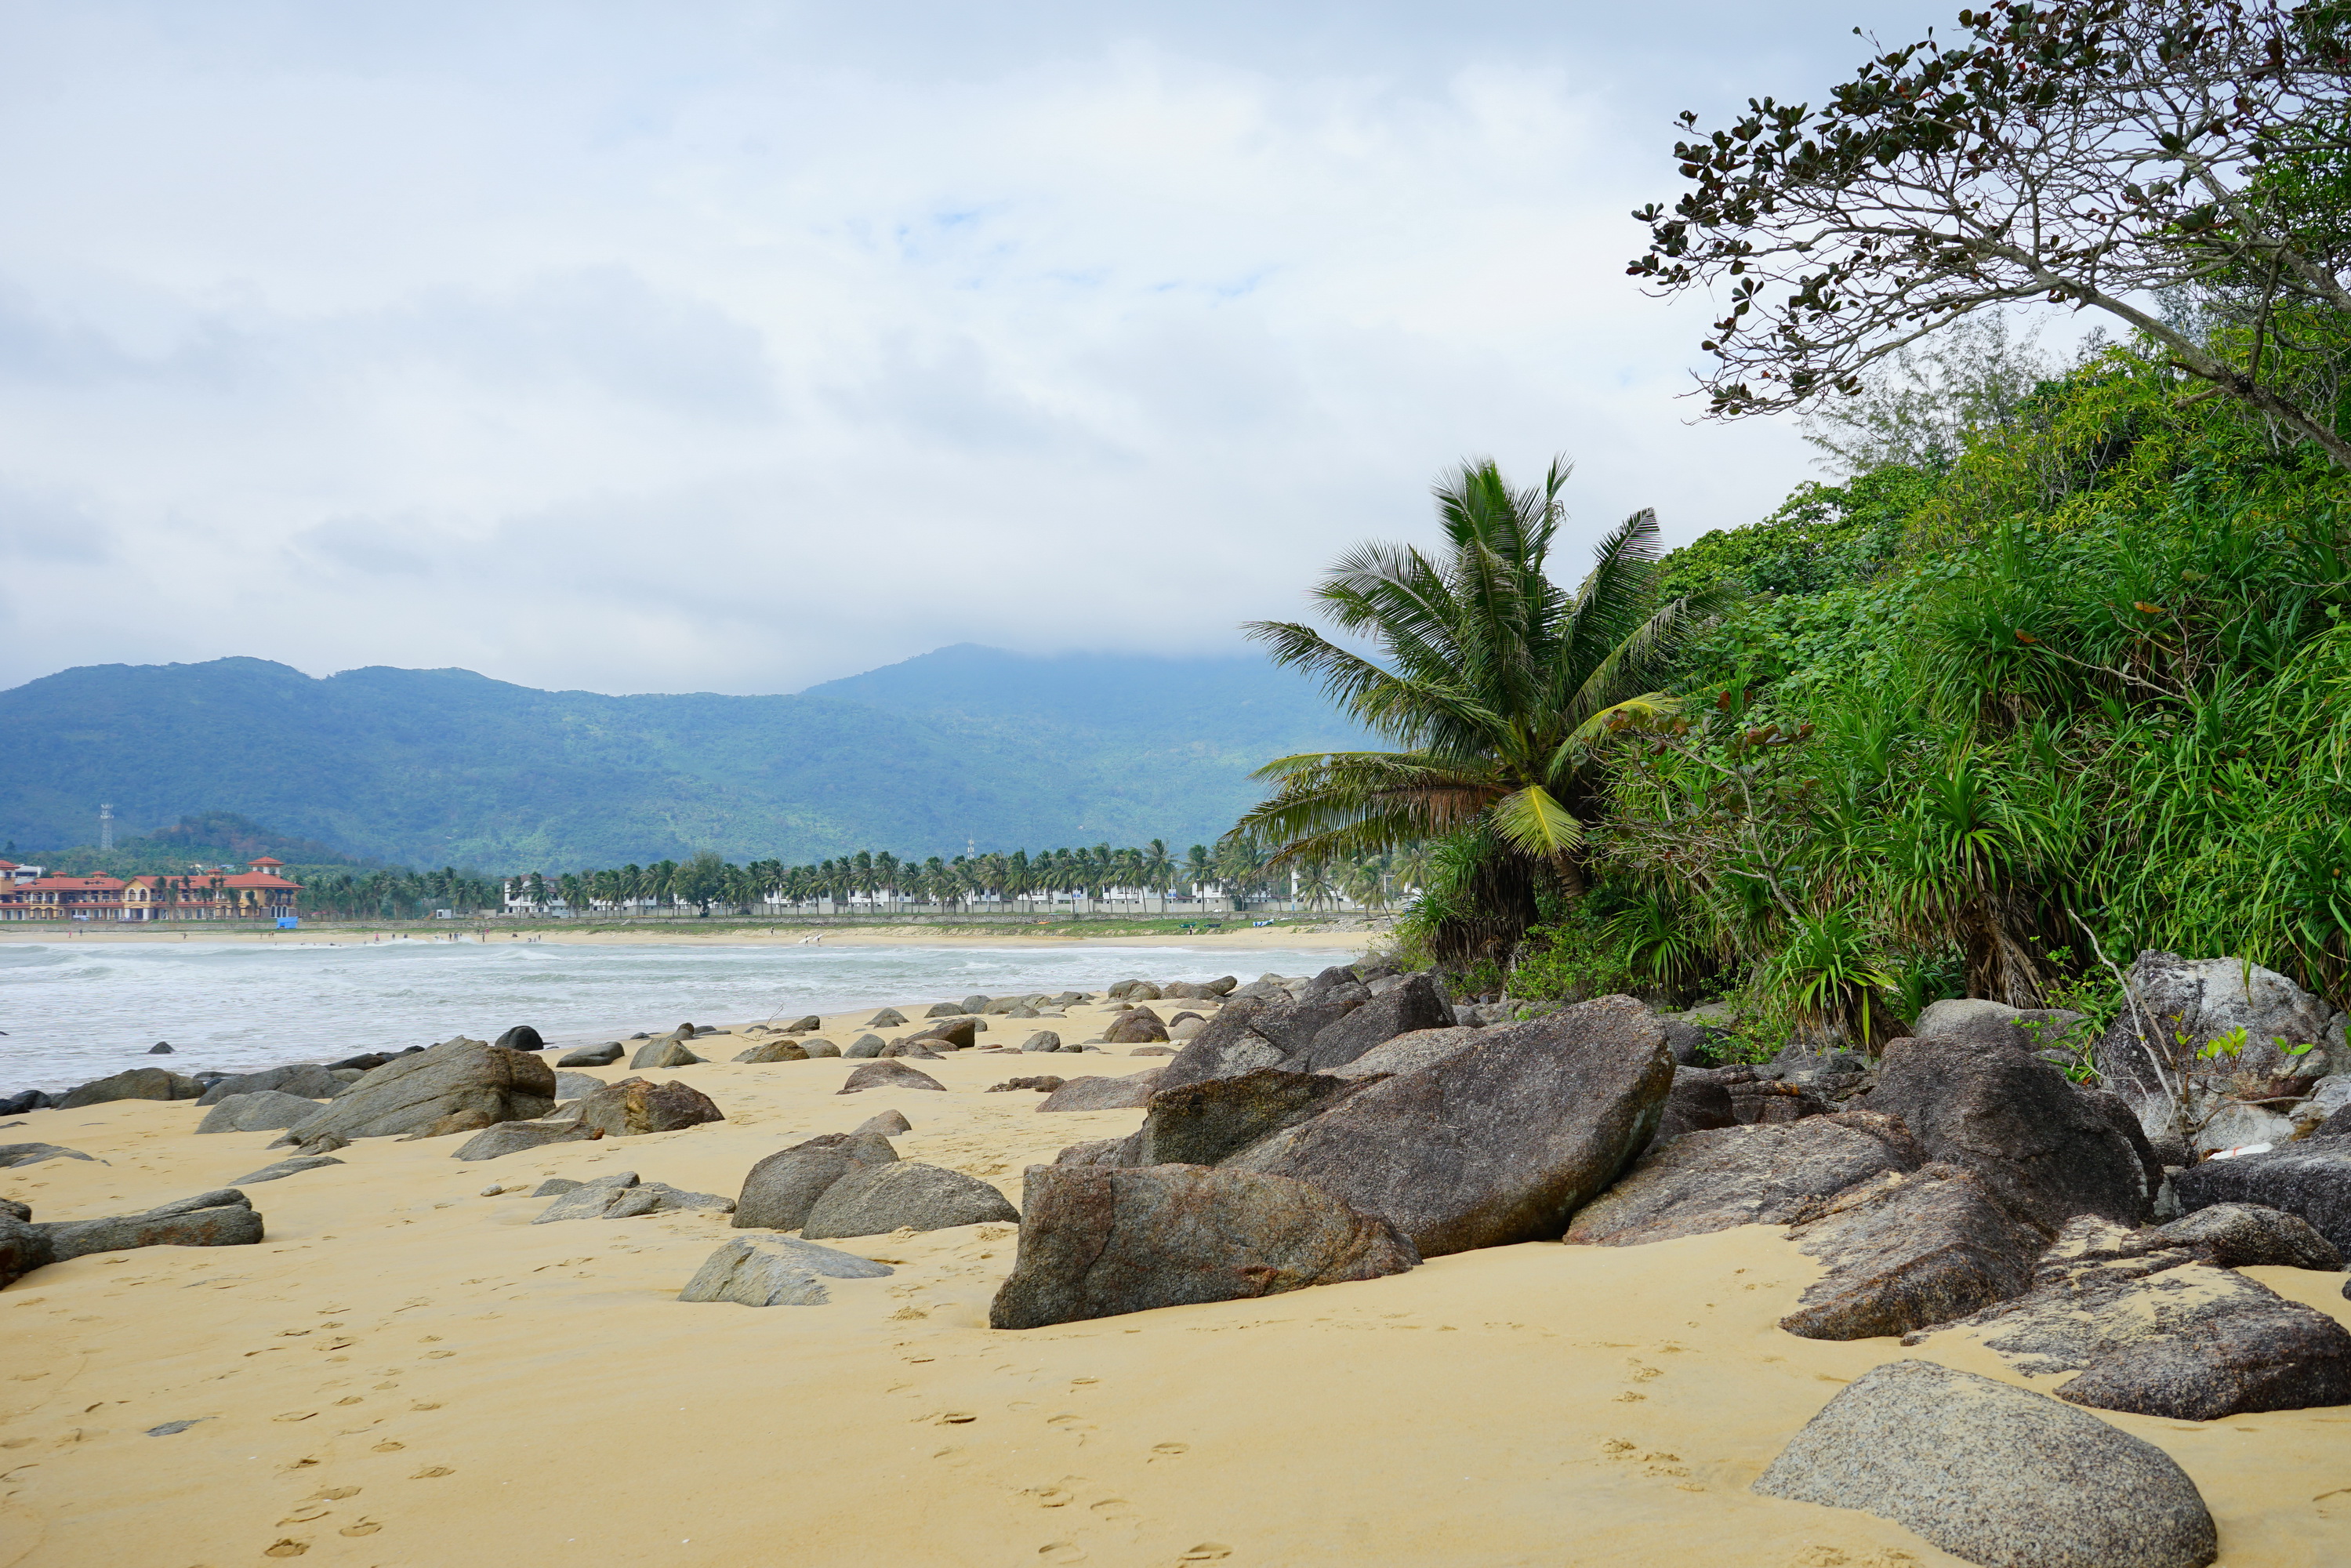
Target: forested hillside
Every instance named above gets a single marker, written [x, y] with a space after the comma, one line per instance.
[439, 767]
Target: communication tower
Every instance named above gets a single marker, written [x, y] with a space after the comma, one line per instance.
[105, 826]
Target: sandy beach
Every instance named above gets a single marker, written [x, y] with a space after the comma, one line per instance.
[406, 1372]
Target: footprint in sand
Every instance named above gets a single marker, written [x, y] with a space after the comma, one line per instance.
[1207, 1552]
[1168, 1451]
[286, 1548]
[1060, 1551]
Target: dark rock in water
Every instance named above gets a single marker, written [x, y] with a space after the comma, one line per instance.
[1699, 1102]
[775, 1272]
[2247, 1235]
[1208, 1122]
[366, 1061]
[1097, 1242]
[779, 1191]
[160, 1047]
[1496, 1145]
[1104, 1093]
[636, 1107]
[520, 1137]
[2163, 1333]
[24, 1247]
[1043, 1084]
[874, 1200]
[884, 1124]
[13, 1155]
[284, 1168]
[1414, 1006]
[888, 1075]
[1994, 1474]
[1909, 1249]
[663, 1053]
[522, 1037]
[137, 1084]
[865, 1045]
[460, 1086]
[2310, 1180]
[24, 1100]
[306, 1079]
[775, 1051]
[592, 1056]
[1773, 1174]
[2045, 1150]
[1135, 1028]
[266, 1110]
[218, 1219]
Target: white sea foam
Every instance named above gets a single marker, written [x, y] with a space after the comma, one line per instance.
[75, 1011]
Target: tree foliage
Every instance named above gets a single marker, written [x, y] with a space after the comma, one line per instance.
[2080, 152]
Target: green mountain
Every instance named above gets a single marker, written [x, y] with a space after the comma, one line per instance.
[446, 767]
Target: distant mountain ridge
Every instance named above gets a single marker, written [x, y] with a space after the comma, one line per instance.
[436, 767]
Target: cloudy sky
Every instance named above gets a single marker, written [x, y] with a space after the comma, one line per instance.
[734, 346]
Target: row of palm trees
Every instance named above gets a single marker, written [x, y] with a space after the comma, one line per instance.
[1238, 869]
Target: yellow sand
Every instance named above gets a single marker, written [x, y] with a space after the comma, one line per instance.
[408, 1373]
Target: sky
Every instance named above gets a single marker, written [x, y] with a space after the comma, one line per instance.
[734, 347]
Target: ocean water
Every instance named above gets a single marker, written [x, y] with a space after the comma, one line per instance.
[75, 1012]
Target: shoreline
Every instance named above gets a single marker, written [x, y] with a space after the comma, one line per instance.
[726, 936]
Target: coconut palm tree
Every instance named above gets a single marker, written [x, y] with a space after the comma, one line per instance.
[1495, 683]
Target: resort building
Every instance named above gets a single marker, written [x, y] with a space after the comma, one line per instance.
[218, 893]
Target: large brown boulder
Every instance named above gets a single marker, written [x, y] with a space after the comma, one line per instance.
[1103, 1093]
[2163, 1333]
[1908, 1249]
[223, 1217]
[1496, 1145]
[520, 1137]
[775, 1051]
[136, 1083]
[1410, 1052]
[1226, 1048]
[873, 1199]
[888, 1074]
[2310, 1180]
[1208, 1122]
[957, 1034]
[1993, 1474]
[779, 1191]
[1140, 1027]
[1771, 1174]
[2043, 1149]
[1415, 1005]
[637, 1105]
[458, 1086]
[1096, 1242]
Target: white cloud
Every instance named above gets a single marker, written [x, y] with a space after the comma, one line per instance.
[737, 350]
